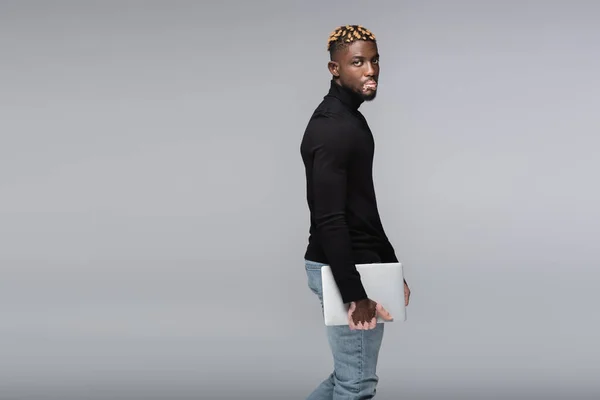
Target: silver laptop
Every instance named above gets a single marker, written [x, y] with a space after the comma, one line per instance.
[383, 282]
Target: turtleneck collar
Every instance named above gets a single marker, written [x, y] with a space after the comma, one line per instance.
[346, 96]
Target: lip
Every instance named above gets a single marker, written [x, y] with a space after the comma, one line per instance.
[371, 84]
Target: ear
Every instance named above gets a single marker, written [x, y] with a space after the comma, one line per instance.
[334, 68]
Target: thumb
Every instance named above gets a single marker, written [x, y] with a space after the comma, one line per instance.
[384, 313]
[351, 308]
[350, 320]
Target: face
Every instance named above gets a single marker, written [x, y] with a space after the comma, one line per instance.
[357, 68]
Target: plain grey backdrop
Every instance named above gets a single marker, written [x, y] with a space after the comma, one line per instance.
[152, 197]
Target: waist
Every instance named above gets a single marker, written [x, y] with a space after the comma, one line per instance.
[362, 253]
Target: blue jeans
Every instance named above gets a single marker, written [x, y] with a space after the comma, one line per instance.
[354, 353]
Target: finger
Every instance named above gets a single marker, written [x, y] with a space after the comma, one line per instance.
[373, 323]
[384, 313]
[351, 324]
[351, 309]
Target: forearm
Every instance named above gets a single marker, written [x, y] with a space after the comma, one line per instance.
[329, 176]
[335, 239]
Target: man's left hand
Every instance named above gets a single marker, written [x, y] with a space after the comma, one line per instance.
[406, 293]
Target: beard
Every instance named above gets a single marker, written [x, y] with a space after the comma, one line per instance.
[359, 91]
[367, 93]
[369, 96]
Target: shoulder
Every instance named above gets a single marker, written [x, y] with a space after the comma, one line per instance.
[329, 123]
[328, 137]
[326, 129]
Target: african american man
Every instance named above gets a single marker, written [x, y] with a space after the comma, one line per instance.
[345, 228]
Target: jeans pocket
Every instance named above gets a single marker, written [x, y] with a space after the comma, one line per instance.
[314, 281]
[313, 273]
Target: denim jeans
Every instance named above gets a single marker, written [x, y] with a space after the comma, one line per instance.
[354, 353]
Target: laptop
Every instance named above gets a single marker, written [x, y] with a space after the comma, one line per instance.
[383, 282]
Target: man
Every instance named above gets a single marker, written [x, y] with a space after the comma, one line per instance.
[337, 150]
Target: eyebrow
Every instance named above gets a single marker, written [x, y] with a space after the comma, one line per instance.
[362, 56]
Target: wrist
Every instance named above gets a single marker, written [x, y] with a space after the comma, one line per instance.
[362, 301]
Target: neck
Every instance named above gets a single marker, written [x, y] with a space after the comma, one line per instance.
[346, 95]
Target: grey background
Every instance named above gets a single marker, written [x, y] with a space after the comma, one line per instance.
[152, 210]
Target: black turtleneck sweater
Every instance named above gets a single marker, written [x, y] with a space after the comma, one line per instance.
[345, 228]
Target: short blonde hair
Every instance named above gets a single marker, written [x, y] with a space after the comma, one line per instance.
[347, 34]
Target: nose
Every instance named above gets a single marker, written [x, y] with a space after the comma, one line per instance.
[370, 69]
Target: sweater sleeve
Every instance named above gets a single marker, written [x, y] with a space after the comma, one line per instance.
[388, 255]
[332, 152]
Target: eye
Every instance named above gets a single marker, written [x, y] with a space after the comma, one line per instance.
[357, 63]
[376, 61]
